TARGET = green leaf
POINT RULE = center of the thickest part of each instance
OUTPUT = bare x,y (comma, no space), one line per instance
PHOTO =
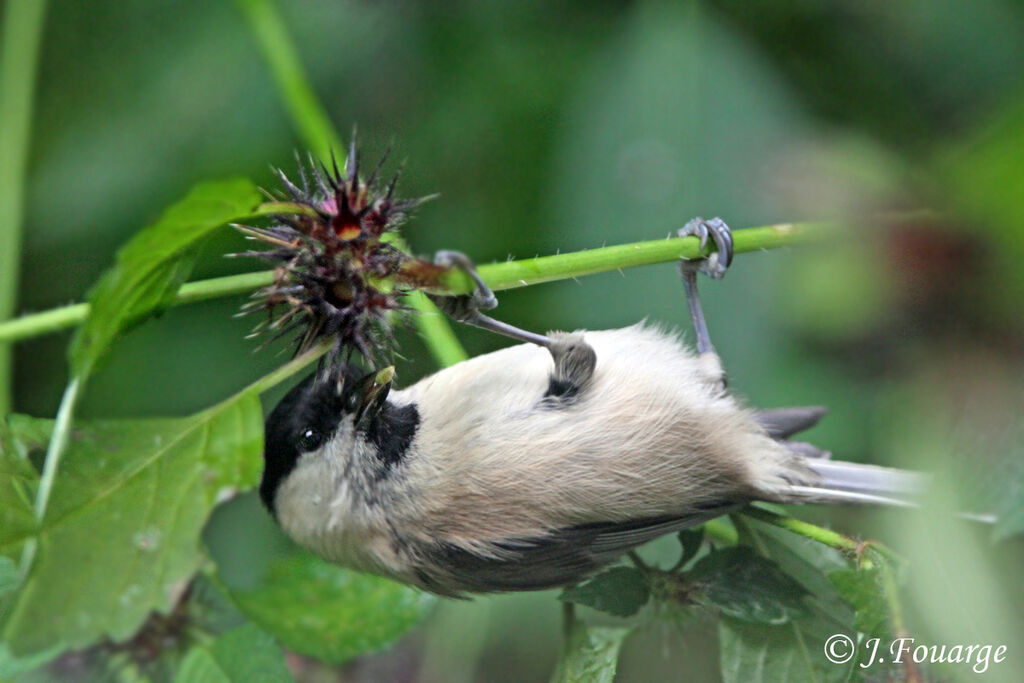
24,435
809,563
8,575
330,613
210,607
121,535
862,590
11,666
591,655
691,540
793,651
746,586
151,267
1010,521
756,653
621,591
242,655
1009,490
18,479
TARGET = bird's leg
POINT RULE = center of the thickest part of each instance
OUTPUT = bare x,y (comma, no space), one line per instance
466,308
575,361
714,266
574,358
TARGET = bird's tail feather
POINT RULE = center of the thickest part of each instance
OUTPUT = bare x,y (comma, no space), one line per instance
848,482
843,482
840,482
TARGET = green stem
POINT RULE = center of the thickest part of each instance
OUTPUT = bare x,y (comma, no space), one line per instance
316,129
58,444
433,325
832,539
721,530
513,274
499,276
271,380
22,34
305,110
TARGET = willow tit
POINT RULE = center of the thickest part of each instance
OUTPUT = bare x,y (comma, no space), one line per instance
532,466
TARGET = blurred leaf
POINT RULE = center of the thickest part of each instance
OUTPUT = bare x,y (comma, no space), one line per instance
211,608
330,613
243,655
153,264
757,653
121,535
11,666
591,655
18,479
8,575
691,540
804,560
798,646
984,175
1010,521
1010,485
747,586
862,590
25,434
621,591
851,295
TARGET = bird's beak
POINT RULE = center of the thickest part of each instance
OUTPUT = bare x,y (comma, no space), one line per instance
375,388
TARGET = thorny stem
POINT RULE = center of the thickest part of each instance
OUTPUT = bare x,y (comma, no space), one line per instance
852,547
513,274
498,276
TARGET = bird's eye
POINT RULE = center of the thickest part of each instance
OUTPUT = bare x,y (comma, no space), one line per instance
310,439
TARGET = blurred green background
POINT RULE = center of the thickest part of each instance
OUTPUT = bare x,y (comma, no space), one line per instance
550,126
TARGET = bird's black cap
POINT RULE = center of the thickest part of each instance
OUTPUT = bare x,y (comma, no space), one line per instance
305,418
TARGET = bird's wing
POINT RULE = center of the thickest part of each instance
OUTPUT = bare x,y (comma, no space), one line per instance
559,558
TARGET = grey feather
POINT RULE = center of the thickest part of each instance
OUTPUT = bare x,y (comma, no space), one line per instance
806,450
782,423
848,482
856,477
556,559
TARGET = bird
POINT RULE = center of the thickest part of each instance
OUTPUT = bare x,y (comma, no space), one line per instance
534,466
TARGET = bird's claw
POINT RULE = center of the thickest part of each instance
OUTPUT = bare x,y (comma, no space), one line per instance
715,264
465,308
482,298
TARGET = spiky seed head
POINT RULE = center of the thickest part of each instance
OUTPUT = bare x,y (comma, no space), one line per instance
333,274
